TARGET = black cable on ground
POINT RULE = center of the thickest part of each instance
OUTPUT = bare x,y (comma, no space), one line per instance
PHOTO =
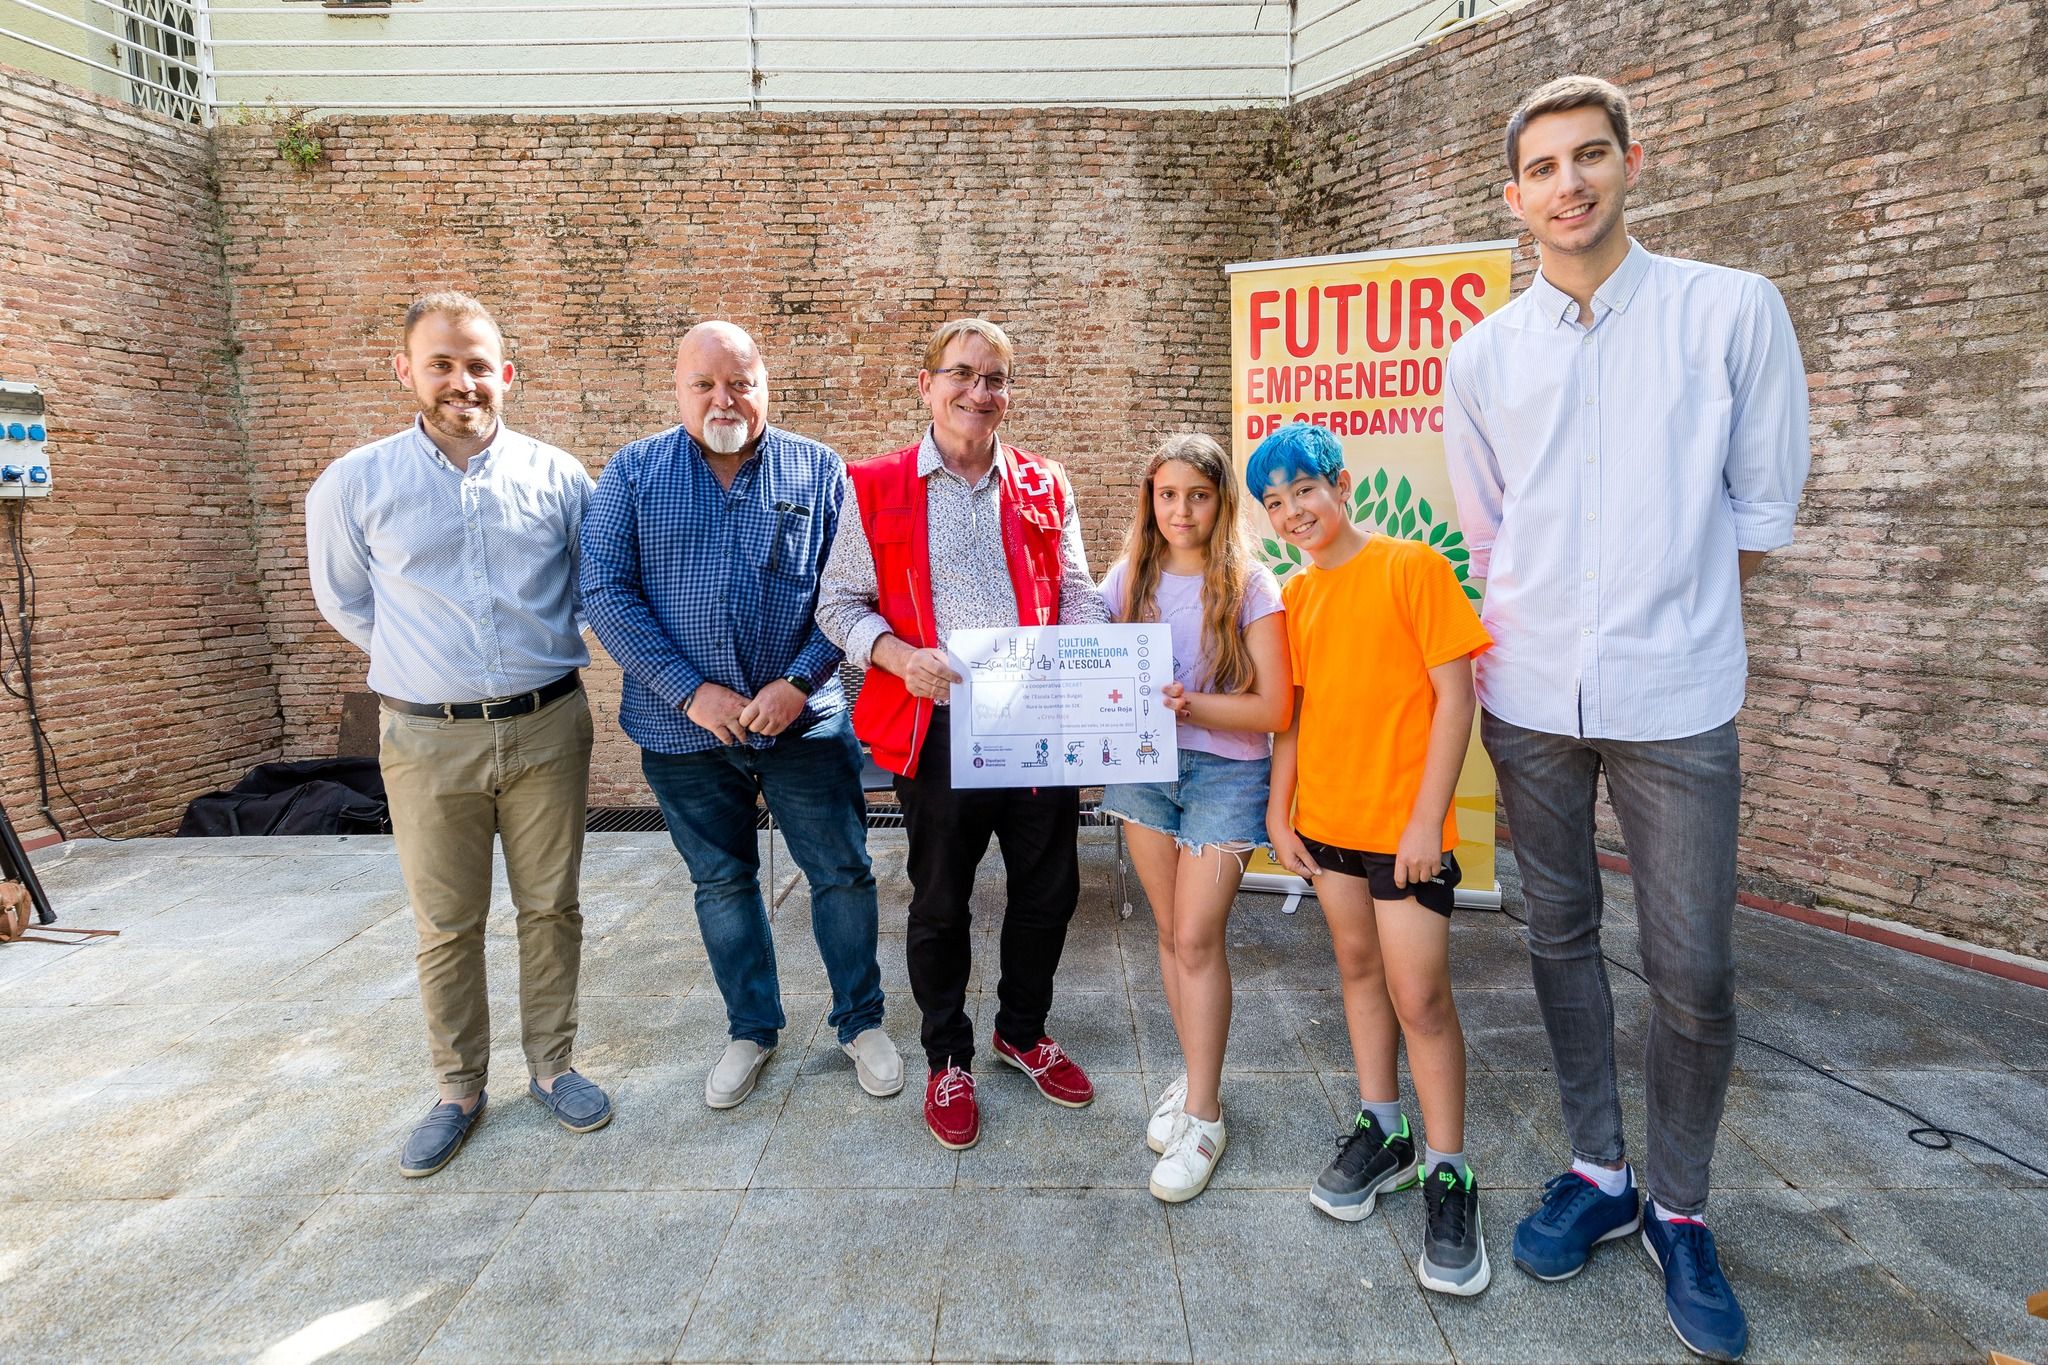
1927,1134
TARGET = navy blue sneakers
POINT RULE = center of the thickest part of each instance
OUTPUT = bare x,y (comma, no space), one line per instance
1698,1301
1555,1242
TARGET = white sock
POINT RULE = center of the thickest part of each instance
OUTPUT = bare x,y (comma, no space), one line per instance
1611,1183
1666,1215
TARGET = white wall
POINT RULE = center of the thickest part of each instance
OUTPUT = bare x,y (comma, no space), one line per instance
420,55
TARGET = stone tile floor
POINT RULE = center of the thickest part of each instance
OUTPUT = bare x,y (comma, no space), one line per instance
202,1117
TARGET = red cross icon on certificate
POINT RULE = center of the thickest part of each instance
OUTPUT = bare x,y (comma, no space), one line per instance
1115,695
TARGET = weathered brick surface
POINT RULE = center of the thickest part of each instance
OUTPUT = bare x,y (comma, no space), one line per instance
841,241
152,663
1882,161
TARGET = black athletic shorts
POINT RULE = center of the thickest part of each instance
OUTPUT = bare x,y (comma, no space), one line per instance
1377,870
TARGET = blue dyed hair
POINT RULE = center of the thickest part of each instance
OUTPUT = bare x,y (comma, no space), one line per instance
1295,450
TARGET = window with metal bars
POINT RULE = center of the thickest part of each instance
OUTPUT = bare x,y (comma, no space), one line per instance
163,58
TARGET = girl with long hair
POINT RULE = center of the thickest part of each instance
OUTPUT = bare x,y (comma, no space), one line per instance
1188,564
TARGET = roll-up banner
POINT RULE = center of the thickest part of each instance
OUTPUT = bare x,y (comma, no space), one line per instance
1357,344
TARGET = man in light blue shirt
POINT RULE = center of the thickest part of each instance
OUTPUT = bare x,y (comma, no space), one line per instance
447,553
1626,439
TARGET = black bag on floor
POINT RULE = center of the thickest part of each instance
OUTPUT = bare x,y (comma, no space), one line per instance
313,796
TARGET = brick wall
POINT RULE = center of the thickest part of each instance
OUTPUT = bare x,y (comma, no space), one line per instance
1879,159
1882,161
1098,239
152,665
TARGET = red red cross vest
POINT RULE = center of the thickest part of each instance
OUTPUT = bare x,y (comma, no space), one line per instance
893,511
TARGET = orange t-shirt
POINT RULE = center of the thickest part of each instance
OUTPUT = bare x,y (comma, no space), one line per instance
1362,638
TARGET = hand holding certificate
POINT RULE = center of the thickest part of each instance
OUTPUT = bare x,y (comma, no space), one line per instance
1062,706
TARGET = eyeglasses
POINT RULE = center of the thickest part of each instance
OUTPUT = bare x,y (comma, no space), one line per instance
966,377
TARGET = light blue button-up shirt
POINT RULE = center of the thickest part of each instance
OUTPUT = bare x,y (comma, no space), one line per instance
460,584
1606,473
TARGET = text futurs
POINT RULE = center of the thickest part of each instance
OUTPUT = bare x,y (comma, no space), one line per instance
1339,369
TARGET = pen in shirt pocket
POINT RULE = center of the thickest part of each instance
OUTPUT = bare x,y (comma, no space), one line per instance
783,509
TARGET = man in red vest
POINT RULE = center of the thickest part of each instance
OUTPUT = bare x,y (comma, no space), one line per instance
956,532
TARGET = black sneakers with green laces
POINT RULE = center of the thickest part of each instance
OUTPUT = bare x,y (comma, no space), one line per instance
1453,1248
1369,1161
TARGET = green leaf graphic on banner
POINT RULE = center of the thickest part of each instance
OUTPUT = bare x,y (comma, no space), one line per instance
1271,547
1471,592
1408,522
1422,510
1453,540
1402,493
1457,556
1436,533
1379,482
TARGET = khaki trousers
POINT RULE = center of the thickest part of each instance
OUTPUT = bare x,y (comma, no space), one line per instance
452,784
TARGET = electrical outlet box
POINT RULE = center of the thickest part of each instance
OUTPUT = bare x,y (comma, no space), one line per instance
24,457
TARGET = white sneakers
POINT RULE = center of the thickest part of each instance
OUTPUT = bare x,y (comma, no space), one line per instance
876,1064
733,1075
1190,1159
1164,1114
1189,1146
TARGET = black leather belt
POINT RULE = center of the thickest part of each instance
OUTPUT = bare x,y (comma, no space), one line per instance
491,708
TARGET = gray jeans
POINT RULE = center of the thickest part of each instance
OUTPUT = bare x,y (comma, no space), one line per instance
1677,802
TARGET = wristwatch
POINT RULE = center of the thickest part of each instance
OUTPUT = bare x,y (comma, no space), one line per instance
799,682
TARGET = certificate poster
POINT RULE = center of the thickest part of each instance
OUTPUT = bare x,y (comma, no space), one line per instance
1357,344
1062,706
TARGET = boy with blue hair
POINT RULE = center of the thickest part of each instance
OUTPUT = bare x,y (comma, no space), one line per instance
1381,639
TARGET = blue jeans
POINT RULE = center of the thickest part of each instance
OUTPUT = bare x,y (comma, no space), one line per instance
1677,802
812,786
1211,800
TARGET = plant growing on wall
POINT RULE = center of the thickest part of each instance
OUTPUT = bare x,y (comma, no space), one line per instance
297,138
1397,512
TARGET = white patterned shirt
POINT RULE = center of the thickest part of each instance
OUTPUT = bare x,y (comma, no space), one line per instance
970,568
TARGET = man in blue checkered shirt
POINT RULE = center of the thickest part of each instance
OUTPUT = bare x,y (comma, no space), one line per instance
702,549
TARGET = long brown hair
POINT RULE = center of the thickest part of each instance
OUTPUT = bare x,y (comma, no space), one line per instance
1229,562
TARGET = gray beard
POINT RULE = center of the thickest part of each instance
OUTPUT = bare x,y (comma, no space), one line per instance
726,438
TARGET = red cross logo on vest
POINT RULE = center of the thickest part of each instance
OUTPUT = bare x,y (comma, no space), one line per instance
1031,478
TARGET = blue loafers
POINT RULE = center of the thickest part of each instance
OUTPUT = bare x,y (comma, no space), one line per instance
576,1103
436,1139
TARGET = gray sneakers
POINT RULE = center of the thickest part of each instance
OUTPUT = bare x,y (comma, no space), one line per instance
1370,1161
1453,1242
733,1075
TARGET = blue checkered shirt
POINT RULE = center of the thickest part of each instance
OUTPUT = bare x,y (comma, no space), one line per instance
685,582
